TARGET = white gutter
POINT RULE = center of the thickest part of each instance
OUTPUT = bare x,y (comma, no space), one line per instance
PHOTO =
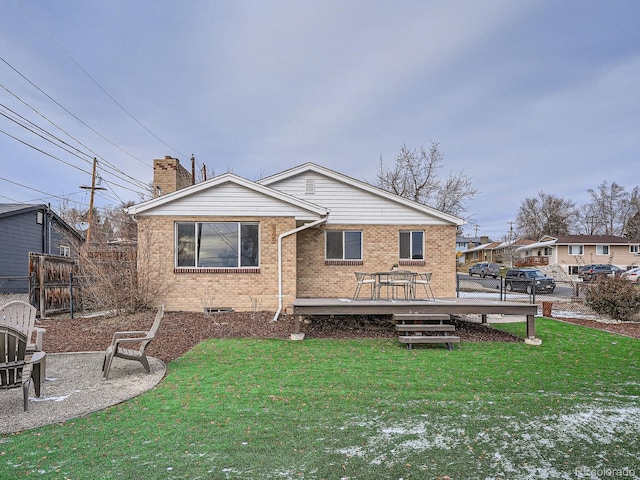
282,235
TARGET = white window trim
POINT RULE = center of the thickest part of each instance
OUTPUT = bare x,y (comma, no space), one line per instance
600,248
581,247
634,249
411,232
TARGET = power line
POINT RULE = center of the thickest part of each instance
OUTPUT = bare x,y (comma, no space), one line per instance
95,81
70,113
133,180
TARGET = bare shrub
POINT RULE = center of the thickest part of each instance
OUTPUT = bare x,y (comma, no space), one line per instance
121,278
614,296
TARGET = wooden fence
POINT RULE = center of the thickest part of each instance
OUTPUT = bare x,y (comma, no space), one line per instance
52,288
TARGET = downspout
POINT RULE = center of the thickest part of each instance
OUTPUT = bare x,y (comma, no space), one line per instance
280,237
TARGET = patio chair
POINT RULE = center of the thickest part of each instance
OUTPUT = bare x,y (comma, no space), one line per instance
423,279
139,339
401,279
22,317
16,365
365,279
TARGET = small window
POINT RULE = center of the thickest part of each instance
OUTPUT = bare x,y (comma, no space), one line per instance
412,245
65,250
634,248
576,250
343,245
602,249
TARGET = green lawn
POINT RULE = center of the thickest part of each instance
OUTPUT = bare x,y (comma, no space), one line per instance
364,409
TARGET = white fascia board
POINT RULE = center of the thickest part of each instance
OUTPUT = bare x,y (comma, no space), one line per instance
212,183
484,246
363,186
535,245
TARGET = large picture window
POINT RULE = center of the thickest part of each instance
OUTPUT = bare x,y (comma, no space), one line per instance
217,244
412,245
343,245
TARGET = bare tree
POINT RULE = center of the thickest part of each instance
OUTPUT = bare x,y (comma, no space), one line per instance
545,215
415,175
610,206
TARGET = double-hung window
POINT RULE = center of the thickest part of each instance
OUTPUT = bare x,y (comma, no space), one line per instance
412,245
602,249
217,244
343,245
576,250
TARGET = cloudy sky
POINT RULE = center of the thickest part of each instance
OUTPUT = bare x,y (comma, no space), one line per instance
522,96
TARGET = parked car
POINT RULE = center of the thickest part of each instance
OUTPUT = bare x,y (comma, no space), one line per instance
528,280
632,275
484,268
591,272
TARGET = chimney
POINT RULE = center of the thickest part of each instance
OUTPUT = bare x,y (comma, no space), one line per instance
169,176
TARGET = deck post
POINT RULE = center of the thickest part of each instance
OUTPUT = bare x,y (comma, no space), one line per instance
531,331
297,335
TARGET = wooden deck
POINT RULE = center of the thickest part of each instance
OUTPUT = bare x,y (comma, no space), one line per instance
453,306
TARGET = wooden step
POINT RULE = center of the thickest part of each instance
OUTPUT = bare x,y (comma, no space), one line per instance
448,340
421,317
425,328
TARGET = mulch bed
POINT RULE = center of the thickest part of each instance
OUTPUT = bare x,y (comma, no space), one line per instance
181,331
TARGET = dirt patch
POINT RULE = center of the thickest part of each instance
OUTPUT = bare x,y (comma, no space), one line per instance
181,331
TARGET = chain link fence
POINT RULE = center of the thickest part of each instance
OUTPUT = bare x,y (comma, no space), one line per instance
566,301
14,288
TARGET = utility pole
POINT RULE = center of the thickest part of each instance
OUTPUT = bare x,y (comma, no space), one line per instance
93,188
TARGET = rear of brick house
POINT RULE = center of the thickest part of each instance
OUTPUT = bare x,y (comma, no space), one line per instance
230,243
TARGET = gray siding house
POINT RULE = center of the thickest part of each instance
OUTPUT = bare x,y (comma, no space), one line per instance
30,228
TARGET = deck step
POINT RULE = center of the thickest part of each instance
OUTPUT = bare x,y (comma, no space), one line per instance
425,328
429,339
448,340
421,317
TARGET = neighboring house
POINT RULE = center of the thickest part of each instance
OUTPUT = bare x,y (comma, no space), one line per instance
30,228
464,243
496,252
572,251
233,243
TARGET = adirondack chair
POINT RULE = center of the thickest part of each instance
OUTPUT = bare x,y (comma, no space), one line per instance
141,339
16,365
22,316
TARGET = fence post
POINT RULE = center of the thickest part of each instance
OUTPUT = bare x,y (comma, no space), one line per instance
533,290
71,294
43,297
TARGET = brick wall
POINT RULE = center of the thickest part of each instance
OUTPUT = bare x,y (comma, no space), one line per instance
169,175
195,291
380,252
304,271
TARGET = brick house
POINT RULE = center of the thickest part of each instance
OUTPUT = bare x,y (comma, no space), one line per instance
231,243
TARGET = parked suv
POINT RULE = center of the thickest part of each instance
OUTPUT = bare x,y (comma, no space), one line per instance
591,272
528,280
484,268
